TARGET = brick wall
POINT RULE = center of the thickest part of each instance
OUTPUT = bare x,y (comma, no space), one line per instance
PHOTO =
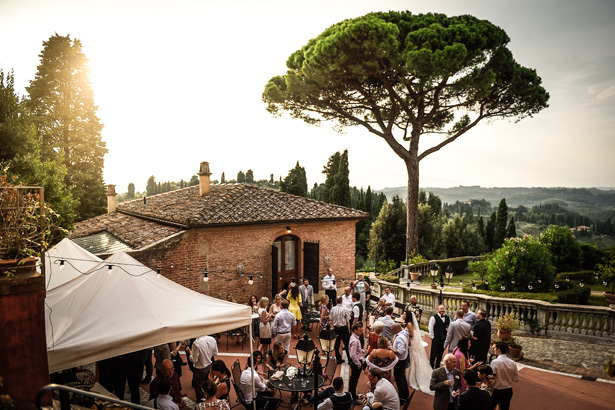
184,258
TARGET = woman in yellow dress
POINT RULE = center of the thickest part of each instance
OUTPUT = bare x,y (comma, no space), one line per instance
294,300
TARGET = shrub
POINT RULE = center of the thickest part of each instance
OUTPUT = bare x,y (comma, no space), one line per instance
588,276
389,278
574,296
522,260
565,249
590,256
507,322
458,265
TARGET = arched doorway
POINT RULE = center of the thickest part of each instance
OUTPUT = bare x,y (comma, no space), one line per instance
284,261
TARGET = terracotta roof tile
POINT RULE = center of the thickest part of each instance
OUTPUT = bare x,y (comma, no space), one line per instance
134,231
233,204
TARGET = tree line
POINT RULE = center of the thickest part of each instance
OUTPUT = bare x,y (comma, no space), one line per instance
51,137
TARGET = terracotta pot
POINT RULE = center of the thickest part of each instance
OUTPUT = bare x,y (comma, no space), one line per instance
504,334
414,275
515,351
434,286
609,297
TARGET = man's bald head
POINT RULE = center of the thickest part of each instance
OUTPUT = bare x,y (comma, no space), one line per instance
396,328
167,367
450,361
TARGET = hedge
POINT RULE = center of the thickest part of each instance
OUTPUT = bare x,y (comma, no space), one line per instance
588,276
574,296
389,278
458,265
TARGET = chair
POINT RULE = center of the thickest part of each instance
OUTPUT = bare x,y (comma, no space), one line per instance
236,371
240,397
239,333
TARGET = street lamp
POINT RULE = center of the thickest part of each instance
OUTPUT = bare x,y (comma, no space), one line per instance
434,273
305,352
327,338
449,274
441,287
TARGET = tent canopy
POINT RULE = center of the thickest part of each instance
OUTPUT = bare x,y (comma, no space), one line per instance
76,259
100,314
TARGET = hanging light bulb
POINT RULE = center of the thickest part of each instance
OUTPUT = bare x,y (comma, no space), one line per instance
605,283
110,269
158,273
502,287
539,280
512,281
460,282
172,265
473,285
486,282
408,284
556,285
567,278
251,280
260,276
205,276
530,287
581,284
61,264
280,277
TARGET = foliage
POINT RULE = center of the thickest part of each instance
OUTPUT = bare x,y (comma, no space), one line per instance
459,238
526,261
457,265
588,276
21,155
490,232
574,296
337,185
241,177
249,176
295,182
590,256
389,278
481,268
507,322
386,238
607,269
415,258
61,101
511,229
565,249
21,235
402,76
500,224
513,343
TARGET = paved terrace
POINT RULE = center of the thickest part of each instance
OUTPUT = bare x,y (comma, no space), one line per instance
554,374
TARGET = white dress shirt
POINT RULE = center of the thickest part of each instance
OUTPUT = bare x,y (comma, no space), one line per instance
245,382
401,344
347,301
384,393
470,318
163,402
327,282
203,349
505,371
432,323
390,299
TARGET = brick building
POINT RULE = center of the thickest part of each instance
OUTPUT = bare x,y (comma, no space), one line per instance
228,229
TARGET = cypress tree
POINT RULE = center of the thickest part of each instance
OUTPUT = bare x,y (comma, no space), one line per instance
490,232
330,170
500,224
511,230
241,177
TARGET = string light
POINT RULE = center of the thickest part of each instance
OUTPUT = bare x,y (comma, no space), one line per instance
110,269
251,280
503,287
158,272
205,276
530,287
460,282
473,285
512,281
62,265
556,285
581,284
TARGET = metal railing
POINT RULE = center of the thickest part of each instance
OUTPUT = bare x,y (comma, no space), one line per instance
64,392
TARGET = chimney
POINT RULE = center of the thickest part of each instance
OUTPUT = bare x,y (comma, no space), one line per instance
204,179
111,198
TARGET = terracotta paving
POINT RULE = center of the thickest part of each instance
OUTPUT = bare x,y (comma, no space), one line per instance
542,383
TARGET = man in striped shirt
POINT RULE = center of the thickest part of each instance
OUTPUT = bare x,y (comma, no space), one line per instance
356,358
282,325
339,317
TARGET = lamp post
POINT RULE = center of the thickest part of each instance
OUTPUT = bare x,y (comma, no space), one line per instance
327,338
305,352
434,273
449,274
441,288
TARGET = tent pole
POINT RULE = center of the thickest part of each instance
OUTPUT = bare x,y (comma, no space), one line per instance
253,369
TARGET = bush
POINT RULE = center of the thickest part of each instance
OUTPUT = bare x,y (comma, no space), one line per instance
590,256
389,278
588,276
522,260
458,265
565,249
574,296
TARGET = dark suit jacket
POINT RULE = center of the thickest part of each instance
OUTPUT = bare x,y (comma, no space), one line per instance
480,347
442,392
474,399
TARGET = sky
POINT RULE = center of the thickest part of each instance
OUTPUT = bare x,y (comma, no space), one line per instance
177,83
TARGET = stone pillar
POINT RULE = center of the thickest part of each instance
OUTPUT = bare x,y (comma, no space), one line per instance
204,184
23,345
111,203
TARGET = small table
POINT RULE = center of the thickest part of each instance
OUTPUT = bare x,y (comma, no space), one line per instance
296,385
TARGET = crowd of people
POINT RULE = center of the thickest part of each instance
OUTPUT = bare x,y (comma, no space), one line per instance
464,370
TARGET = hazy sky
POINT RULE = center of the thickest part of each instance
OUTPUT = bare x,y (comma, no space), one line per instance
180,82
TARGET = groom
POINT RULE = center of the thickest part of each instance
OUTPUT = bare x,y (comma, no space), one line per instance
445,381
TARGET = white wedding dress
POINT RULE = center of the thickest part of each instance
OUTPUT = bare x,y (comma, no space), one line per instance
419,372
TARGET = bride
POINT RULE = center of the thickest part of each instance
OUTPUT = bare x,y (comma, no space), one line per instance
419,372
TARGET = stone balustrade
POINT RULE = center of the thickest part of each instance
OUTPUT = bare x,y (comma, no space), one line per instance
535,316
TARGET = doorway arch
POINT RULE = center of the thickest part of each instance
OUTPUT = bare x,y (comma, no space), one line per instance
284,261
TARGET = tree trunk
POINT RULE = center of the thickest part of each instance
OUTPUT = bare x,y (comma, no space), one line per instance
412,202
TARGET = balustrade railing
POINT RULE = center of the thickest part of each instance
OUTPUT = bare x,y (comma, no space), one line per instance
535,316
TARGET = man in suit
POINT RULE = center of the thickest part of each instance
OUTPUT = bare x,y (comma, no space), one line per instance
457,330
438,326
445,382
307,299
474,398
481,339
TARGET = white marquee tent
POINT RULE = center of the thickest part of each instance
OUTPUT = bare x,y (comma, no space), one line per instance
101,314
76,259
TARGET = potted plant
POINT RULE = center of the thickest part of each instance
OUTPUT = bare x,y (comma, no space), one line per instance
23,232
514,348
506,324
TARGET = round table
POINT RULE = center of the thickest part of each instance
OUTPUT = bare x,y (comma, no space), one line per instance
296,385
